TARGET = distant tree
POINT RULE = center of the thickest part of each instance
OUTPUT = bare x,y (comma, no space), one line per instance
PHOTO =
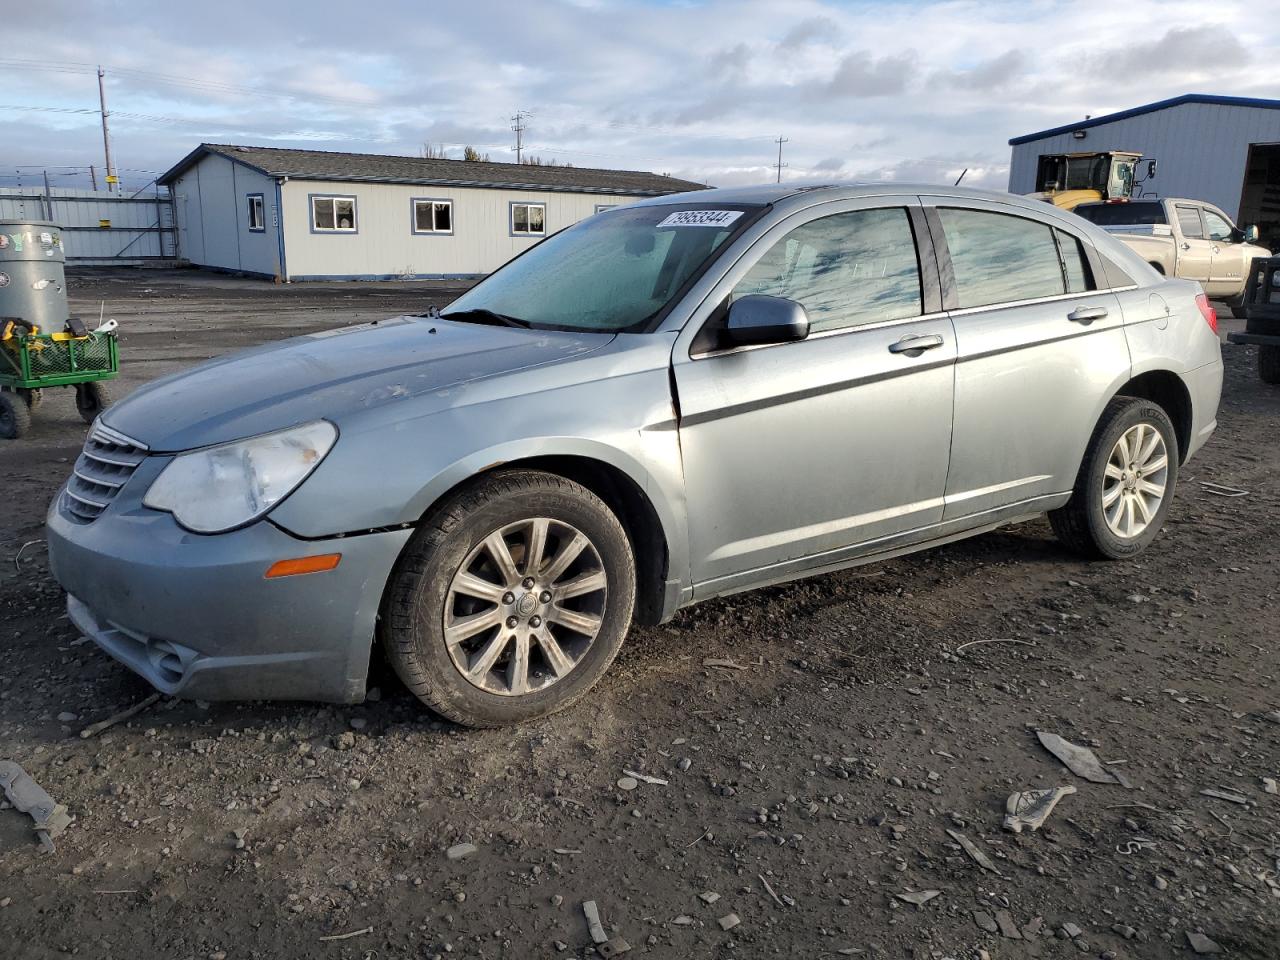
471,153
429,151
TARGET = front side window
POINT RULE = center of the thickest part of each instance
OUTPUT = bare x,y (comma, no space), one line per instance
433,216
846,270
999,258
528,219
257,222
333,214
1217,227
1189,223
616,272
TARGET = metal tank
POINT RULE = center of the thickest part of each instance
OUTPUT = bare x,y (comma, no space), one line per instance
33,285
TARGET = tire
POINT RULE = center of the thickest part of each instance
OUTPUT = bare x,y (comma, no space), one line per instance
1269,364
1083,525
453,542
15,417
91,399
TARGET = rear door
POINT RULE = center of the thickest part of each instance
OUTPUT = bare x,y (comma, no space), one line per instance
1195,252
795,452
1038,347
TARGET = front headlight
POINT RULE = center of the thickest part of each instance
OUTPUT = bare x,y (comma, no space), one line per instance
220,488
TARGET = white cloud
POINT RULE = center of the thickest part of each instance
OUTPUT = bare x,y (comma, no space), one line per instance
916,90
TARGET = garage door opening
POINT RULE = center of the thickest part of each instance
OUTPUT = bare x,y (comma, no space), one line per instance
1260,198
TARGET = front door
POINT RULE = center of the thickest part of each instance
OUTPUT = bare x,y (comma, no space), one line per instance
1195,252
1039,348
1228,267
795,452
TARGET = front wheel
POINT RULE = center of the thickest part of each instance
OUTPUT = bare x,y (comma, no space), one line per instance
15,417
1125,485
512,599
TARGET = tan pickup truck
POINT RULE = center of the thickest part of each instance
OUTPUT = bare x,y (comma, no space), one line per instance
1190,239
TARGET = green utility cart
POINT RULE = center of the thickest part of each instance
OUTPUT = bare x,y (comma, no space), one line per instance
39,346
32,362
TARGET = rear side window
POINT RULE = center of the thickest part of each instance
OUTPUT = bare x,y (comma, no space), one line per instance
997,258
1189,223
1122,214
846,270
1075,265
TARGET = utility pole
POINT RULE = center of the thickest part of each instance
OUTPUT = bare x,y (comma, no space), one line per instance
780,141
93,175
106,134
517,125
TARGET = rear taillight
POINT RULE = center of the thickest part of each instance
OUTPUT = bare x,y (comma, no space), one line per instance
1206,311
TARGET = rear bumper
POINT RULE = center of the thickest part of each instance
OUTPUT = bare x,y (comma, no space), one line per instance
1205,387
195,616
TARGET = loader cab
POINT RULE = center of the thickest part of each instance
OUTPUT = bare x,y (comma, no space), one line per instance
1068,179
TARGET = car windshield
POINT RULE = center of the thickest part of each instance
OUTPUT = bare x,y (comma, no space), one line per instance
616,271
1122,214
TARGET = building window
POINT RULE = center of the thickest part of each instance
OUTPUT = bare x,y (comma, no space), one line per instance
432,216
333,214
257,221
528,219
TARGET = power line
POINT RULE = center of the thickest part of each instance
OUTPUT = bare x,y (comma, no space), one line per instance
518,126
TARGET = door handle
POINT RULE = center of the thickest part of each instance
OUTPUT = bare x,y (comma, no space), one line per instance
1216,249
915,344
1086,315
1185,245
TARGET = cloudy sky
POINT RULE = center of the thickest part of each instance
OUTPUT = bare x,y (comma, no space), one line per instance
906,90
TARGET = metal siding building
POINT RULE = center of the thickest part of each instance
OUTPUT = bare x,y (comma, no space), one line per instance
214,186
1204,146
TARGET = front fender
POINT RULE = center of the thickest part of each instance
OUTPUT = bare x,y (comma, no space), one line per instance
390,473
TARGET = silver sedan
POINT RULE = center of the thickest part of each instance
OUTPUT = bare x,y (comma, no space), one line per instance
667,402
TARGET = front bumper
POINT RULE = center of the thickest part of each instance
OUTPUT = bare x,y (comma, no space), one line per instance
195,616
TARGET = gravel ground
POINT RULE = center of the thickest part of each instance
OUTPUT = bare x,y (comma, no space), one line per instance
825,774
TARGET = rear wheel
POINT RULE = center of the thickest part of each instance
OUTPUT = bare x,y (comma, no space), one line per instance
1269,364
511,601
1125,485
15,416
92,399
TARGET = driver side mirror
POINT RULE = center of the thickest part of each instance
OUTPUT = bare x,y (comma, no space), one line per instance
1251,234
759,319
1151,169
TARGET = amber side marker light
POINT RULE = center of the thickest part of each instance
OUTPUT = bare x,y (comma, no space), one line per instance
301,565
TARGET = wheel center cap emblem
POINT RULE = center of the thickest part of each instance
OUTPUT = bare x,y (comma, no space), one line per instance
526,605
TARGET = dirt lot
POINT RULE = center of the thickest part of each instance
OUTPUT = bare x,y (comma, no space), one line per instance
833,768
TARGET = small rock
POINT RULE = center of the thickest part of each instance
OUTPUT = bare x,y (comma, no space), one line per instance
1270,785
556,900
1124,930
684,764
730,920
358,723
709,897
612,948
1008,929
1202,944
1071,930
344,741
460,850
66,717
919,897
1160,883
986,921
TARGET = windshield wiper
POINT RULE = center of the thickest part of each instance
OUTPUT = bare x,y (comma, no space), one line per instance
480,315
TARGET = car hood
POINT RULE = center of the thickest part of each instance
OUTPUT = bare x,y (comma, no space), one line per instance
335,375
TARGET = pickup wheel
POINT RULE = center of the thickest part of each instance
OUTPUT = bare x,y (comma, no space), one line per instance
1125,485
1269,364
511,600
15,416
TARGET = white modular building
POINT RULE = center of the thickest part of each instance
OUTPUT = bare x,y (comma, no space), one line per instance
318,215
1225,150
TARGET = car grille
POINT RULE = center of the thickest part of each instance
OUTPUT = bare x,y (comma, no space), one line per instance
103,468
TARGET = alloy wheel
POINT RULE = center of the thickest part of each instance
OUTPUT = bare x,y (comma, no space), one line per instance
1135,480
525,606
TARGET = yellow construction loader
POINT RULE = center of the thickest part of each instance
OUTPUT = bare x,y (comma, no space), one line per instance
1068,179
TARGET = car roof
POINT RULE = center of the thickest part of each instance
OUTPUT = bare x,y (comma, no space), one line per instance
805,192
